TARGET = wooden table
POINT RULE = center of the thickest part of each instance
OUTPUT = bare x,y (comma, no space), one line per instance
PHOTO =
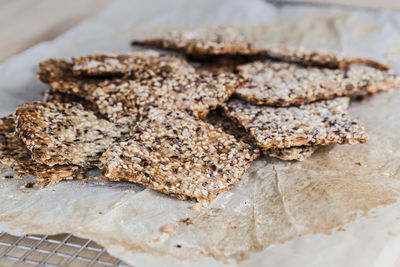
25,23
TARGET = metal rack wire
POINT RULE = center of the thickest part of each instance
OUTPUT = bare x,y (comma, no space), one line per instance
53,251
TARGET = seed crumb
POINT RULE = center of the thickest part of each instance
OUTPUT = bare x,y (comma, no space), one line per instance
186,221
168,228
29,185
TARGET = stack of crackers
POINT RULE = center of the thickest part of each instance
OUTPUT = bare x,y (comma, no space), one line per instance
187,115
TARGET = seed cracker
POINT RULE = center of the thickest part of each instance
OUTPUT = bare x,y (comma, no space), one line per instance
291,153
194,93
58,74
179,155
57,97
216,41
136,64
14,153
229,41
319,123
64,134
308,57
285,84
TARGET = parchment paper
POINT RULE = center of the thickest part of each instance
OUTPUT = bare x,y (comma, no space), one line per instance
338,208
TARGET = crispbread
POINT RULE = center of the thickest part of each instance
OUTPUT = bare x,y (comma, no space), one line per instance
57,97
319,123
64,134
308,57
141,65
229,41
194,93
123,99
15,154
58,74
284,84
299,153
216,41
179,155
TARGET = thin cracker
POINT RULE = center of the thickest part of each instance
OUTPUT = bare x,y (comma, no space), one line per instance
14,153
215,41
141,65
284,84
64,134
194,93
225,124
179,155
223,40
319,123
58,74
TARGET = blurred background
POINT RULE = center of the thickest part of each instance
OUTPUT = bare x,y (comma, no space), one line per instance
25,23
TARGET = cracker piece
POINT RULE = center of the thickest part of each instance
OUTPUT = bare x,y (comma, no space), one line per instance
284,84
179,155
58,74
57,97
308,57
194,93
299,153
229,41
319,123
14,153
136,65
64,134
216,41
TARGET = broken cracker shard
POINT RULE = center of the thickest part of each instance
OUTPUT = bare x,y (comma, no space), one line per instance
14,153
64,134
158,81
298,153
319,123
136,65
223,40
284,84
179,155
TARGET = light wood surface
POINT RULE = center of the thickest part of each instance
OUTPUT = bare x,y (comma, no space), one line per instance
24,23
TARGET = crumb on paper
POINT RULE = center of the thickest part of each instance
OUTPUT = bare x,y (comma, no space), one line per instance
168,228
186,221
29,185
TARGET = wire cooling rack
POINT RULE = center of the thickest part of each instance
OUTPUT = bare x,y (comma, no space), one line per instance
53,251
